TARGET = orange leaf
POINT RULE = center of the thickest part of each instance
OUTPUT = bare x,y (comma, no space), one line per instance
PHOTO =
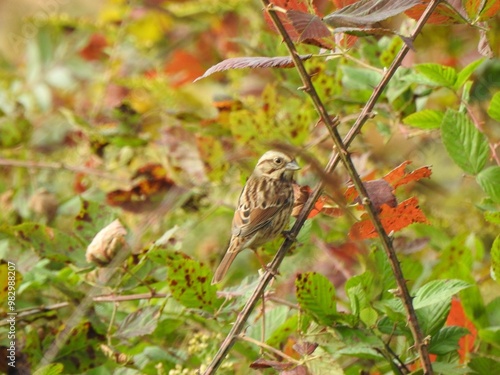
398,176
94,50
443,14
392,219
301,195
397,173
184,67
457,317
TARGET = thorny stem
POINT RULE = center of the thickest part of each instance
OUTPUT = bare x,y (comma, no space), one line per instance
341,154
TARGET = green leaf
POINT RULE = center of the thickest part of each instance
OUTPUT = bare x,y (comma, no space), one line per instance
426,119
446,340
81,351
324,363
492,217
433,317
51,243
140,323
359,343
275,318
489,180
189,282
14,131
316,296
494,107
437,291
466,145
466,72
391,327
358,289
495,260
483,366
291,325
52,369
93,217
491,335
446,368
359,79
438,75
492,311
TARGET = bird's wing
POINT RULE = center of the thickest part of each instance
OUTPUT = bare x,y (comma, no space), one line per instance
255,209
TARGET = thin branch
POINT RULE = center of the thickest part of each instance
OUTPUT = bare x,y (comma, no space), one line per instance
130,297
22,313
263,345
308,206
58,166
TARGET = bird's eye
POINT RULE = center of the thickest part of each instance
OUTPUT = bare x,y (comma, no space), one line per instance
278,160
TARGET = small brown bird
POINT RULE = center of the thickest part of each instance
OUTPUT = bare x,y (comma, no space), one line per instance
264,207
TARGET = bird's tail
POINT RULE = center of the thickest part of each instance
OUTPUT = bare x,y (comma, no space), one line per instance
224,265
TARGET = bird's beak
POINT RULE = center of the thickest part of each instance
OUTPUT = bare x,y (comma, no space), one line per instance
292,166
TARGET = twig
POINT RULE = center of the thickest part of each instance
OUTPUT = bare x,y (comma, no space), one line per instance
263,345
59,166
130,297
21,313
104,298
308,206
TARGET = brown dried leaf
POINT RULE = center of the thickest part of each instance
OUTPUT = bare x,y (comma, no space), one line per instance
379,192
262,363
307,25
305,348
253,63
484,46
107,243
146,193
366,12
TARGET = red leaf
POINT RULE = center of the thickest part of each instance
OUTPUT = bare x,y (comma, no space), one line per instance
300,7
301,195
262,363
183,68
94,50
443,14
457,317
398,176
308,26
253,63
392,219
